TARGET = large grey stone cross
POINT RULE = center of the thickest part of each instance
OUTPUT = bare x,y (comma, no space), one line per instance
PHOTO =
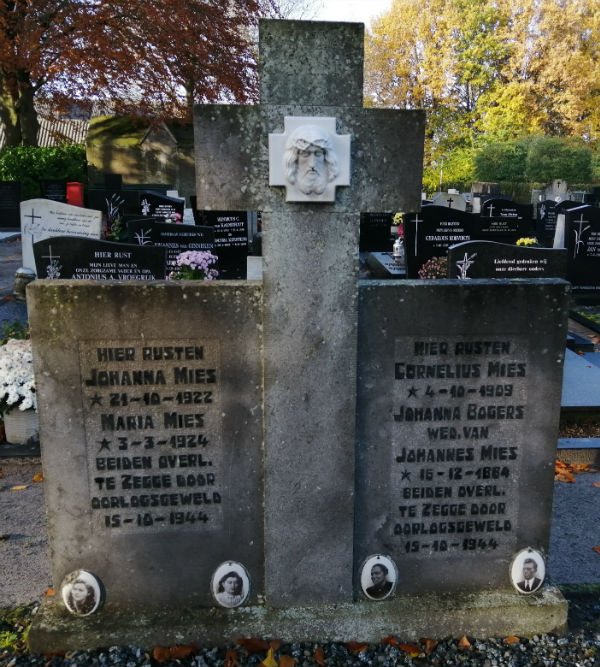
311,76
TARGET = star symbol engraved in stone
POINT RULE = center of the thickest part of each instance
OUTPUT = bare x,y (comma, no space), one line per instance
412,392
406,475
96,399
104,444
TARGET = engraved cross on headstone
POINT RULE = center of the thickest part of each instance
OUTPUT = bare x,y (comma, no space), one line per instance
311,77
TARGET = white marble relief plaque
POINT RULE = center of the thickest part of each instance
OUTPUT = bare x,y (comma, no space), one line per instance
309,159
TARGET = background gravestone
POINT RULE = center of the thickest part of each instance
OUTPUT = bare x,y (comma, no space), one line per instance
10,200
582,240
54,189
156,204
487,259
231,240
376,232
44,218
174,238
432,231
455,466
505,221
79,258
545,226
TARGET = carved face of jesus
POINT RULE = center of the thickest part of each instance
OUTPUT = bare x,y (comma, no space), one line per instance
310,161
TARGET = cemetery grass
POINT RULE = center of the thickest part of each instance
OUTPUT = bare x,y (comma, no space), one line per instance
580,647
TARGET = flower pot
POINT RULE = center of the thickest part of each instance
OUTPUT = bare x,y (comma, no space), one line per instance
21,426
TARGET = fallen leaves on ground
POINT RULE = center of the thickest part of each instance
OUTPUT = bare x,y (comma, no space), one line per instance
565,472
464,643
231,658
597,484
429,645
512,640
49,592
286,661
19,487
356,647
253,645
597,549
319,656
164,653
38,477
414,650
269,661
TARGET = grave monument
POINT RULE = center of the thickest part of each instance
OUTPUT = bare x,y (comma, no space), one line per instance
200,474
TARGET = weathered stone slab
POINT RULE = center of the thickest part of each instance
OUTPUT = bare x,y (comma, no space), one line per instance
152,453
455,460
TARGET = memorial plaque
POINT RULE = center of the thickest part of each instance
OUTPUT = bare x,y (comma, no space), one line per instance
44,218
375,231
152,415
231,241
159,480
174,238
76,258
10,199
487,259
582,240
455,458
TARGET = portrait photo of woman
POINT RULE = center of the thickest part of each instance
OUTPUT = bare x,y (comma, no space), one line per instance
81,592
230,584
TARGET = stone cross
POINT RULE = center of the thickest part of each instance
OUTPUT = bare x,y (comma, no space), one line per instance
311,76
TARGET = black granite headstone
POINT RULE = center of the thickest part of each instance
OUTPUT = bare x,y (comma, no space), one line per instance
76,258
155,204
582,240
488,259
114,203
173,237
505,221
546,222
10,200
375,232
231,241
432,231
54,189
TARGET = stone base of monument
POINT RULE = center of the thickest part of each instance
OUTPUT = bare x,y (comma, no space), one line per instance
481,615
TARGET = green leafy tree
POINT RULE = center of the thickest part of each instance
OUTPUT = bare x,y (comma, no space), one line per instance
549,158
503,161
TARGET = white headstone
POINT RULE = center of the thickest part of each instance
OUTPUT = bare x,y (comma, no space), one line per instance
44,218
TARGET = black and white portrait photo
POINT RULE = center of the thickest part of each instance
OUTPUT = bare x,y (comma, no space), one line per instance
82,593
528,571
378,577
230,584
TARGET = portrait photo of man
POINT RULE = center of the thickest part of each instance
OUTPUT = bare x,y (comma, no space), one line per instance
528,571
529,582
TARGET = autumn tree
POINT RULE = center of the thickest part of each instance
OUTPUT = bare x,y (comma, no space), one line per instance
488,71
153,57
